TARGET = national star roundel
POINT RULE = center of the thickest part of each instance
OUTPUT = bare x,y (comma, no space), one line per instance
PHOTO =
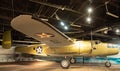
39,50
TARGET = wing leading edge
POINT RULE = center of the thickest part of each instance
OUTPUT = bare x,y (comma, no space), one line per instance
40,30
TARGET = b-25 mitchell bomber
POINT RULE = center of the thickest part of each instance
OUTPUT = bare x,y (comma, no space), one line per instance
55,43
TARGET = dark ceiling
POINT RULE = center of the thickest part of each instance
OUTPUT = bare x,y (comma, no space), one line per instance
72,12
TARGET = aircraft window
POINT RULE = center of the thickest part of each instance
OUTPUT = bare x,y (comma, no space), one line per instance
94,48
97,42
33,48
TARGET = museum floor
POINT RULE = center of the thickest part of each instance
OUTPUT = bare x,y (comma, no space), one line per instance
53,66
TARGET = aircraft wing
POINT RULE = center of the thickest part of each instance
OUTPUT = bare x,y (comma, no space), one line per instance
40,30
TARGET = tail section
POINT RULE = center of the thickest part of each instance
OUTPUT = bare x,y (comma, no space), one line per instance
6,43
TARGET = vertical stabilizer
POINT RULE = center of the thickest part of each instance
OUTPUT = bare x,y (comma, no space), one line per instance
6,43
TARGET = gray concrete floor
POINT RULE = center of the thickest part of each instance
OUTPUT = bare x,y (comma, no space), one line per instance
53,66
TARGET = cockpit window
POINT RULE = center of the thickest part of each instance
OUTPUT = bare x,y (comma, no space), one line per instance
113,46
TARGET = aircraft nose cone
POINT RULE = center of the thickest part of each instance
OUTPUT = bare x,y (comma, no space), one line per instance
113,51
116,51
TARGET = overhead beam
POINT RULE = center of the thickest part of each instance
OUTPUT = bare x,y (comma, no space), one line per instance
6,17
72,32
19,11
55,6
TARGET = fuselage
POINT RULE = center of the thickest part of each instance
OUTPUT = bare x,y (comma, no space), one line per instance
78,48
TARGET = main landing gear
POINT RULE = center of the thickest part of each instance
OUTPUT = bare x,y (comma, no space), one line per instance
65,63
107,63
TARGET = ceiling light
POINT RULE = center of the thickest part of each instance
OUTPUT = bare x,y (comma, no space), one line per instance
88,19
117,31
63,8
66,28
62,23
105,32
90,10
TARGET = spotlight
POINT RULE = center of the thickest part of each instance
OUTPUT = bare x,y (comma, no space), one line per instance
117,30
62,24
88,19
65,27
90,10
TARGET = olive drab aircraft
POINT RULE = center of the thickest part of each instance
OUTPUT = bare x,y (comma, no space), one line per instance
55,43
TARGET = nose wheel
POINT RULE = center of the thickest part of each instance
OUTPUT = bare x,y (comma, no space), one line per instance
72,60
107,64
65,64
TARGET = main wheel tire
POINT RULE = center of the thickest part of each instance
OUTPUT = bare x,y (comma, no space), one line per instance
72,60
65,64
107,64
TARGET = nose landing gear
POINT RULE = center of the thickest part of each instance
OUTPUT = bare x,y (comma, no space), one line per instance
72,60
107,64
